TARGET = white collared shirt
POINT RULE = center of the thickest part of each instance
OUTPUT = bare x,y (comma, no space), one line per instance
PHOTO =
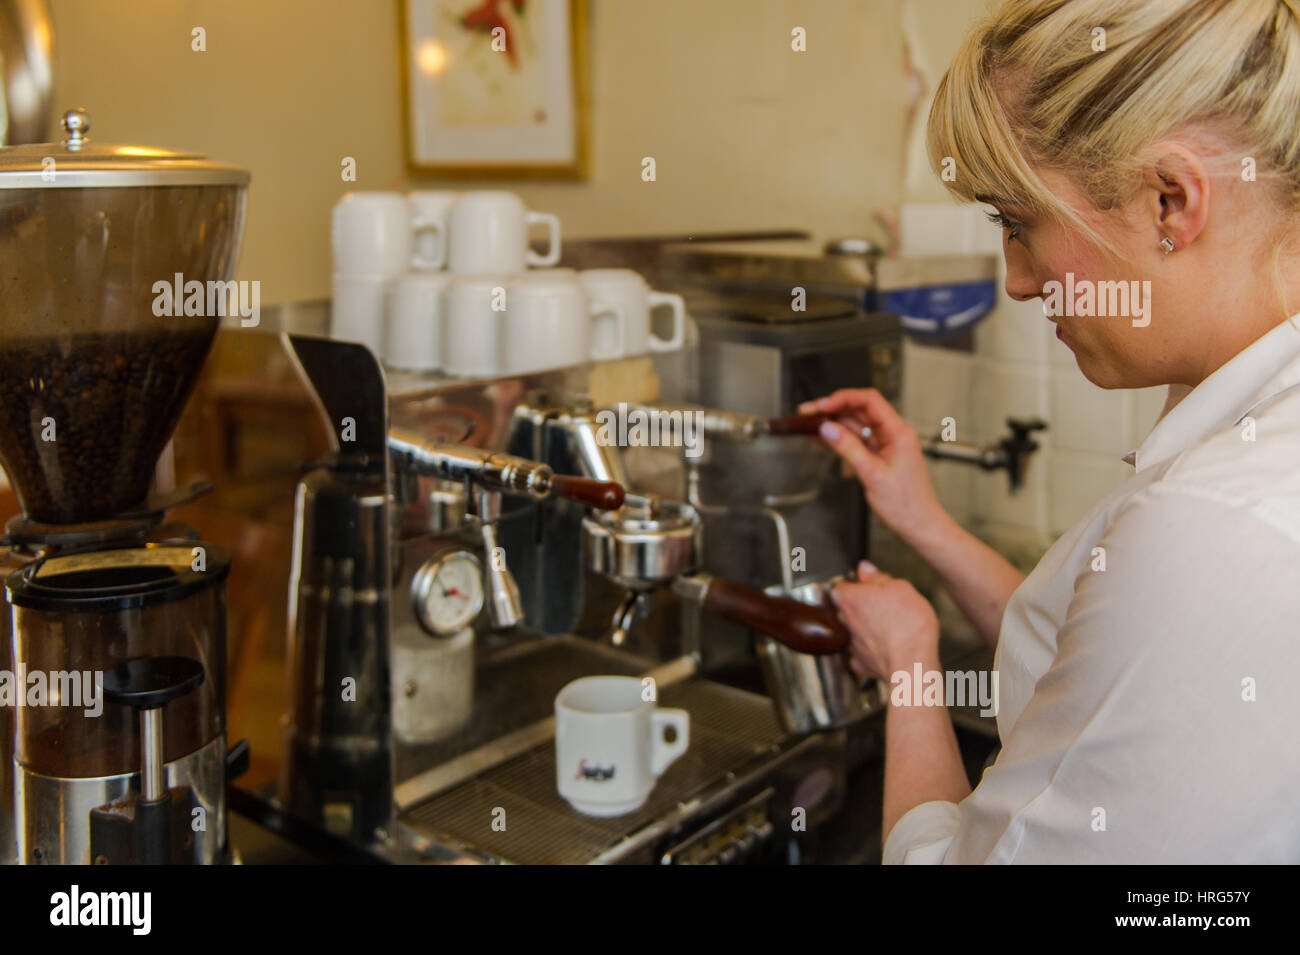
1147,712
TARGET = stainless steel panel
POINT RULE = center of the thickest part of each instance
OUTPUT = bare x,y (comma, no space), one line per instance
53,813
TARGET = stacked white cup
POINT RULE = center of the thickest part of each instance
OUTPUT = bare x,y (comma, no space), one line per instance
498,308
373,236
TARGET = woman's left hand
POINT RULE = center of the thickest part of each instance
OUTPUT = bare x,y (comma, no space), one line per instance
892,625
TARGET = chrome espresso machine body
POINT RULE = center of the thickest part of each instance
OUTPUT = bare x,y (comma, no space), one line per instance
420,718
112,724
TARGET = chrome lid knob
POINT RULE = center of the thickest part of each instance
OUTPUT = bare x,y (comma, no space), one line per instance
76,122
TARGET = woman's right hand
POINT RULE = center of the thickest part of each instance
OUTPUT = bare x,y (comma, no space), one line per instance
889,464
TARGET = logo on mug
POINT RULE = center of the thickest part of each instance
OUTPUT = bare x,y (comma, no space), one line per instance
598,773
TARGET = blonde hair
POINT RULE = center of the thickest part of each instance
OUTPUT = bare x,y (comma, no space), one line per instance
1027,89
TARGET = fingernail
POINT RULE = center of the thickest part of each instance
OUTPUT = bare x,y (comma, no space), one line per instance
829,430
866,567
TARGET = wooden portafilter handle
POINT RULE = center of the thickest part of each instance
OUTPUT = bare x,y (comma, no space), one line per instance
806,424
797,424
602,495
800,626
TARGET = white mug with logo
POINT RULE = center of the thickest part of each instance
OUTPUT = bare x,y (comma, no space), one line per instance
629,290
610,744
549,323
473,309
487,232
414,330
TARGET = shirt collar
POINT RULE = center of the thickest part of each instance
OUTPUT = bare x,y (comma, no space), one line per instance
1263,369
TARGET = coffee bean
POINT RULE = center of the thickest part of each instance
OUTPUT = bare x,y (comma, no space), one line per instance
114,400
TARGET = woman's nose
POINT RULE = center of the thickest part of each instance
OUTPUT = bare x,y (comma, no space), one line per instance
1021,284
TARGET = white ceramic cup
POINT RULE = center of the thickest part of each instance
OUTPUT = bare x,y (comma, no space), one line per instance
628,290
430,211
414,328
357,310
371,235
487,233
549,323
473,309
610,744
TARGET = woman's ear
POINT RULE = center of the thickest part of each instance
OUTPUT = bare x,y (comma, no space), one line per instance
1178,190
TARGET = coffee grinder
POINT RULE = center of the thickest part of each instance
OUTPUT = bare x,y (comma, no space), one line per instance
116,268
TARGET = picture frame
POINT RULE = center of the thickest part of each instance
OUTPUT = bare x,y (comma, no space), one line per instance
495,89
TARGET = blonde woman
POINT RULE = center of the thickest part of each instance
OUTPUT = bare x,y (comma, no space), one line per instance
1149,710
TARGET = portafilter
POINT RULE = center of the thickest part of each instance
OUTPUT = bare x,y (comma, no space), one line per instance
650,543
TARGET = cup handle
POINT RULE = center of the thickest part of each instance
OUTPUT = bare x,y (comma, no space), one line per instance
679,321
663,754
439,259
552,223
620,324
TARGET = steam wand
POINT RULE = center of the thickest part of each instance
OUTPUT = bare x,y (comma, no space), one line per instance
489,474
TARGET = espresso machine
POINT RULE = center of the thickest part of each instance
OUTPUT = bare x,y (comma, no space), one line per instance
421,670
113,738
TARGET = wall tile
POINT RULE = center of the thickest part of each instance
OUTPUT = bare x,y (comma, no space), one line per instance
937,228
993,500
1020,545
953,483
1087,418
1059,355
936,384
1000,390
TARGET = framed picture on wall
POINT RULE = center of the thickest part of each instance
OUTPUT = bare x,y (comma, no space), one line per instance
495,88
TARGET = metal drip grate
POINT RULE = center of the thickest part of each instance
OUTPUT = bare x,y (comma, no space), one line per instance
729,727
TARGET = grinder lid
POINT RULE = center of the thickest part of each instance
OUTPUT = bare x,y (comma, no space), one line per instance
79,163
122,578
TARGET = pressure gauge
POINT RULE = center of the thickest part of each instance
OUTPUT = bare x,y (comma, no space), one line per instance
448,592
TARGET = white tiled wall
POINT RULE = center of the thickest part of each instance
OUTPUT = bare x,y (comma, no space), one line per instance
1018,368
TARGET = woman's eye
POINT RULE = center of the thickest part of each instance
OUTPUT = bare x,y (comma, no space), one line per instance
1005,223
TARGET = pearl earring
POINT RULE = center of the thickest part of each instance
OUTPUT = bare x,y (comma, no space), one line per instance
1167,244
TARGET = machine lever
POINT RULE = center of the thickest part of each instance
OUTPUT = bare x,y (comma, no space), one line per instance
602,495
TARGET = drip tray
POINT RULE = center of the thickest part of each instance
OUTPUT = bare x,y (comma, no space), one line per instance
515,687
730,729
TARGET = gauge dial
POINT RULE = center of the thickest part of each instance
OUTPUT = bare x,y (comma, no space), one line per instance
448,592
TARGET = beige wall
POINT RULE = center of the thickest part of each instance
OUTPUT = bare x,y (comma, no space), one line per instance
745,133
